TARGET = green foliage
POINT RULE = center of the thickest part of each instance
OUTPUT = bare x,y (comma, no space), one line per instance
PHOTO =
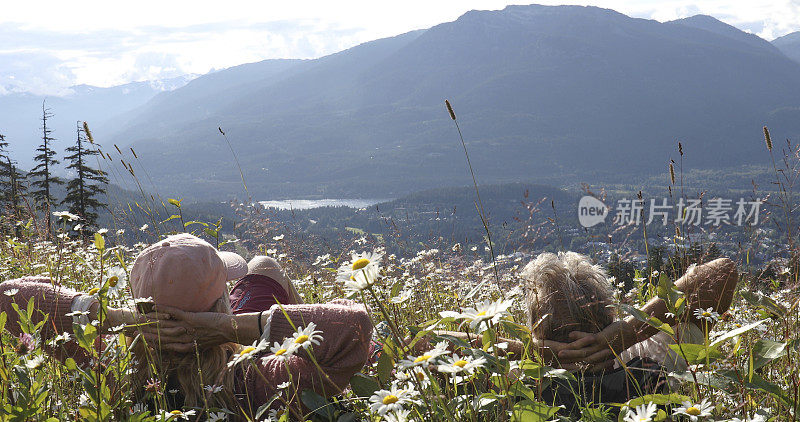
83,191
12,184
41,176
735,365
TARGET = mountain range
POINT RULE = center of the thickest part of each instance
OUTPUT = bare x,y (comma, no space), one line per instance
789,44
543,94
21,112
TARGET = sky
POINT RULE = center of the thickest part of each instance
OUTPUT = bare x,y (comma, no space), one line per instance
48,46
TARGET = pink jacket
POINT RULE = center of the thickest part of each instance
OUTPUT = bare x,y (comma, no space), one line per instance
346,329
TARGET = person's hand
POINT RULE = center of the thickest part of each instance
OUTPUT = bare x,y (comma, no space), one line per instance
182,331
596,351
550,351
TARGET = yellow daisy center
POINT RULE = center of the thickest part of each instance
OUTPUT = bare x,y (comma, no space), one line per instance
693,411
302,339
247,350
461,363
422,358
280,352
176,412
94,290
113,281
482,313
360,263
390,399
706,314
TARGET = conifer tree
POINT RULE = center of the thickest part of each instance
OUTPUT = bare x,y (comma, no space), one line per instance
12,182
42,177
82,191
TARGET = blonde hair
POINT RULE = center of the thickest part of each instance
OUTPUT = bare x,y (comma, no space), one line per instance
565,293
192,371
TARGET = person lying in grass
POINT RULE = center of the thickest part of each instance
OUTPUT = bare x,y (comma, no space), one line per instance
569,312
573,322
568,304
570,309
315,347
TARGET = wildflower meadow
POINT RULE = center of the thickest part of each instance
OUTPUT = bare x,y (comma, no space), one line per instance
745,369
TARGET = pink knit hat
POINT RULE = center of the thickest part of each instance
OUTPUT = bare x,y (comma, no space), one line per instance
185,272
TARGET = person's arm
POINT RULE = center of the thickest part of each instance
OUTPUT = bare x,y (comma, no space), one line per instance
346,330
177,331
49,299
56,302
710,285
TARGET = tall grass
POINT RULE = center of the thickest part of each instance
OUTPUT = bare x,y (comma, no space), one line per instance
746,365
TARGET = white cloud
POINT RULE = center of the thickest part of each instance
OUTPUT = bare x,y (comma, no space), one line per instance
34,71
100,44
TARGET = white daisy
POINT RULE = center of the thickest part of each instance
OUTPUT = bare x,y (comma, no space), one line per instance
117,329
642,413
707,314
62,338
360,272
117,281
274,415
34,362
322,260
248,352
400,415
213,389
283,350
179,414
486,311
355,285
694,411
84,400
425,358
457,365
65,215
754,418
404,296
392,400
407,377
217,417
305,337
11,292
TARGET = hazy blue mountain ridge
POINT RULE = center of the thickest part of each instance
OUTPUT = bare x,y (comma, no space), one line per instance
544,94
789,44
21,113
201,97
711,24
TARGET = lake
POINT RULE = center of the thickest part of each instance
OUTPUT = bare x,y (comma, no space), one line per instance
305,204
